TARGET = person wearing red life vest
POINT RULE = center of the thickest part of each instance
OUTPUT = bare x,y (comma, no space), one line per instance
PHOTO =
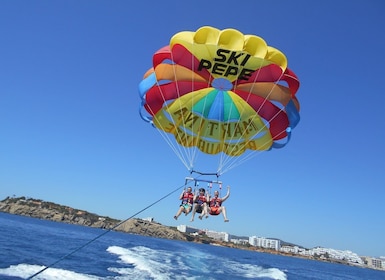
215,204
200,204
187,198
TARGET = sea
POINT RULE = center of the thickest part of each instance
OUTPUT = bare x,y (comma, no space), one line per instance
32,248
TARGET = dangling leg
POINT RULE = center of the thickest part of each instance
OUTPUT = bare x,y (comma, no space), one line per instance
224,213
204,211
193,212
178,213
207,210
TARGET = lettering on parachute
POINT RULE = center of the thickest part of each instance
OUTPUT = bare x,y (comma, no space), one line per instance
212,137
228,63
214,129
209,147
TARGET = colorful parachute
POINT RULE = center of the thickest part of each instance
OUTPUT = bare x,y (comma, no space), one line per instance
221,92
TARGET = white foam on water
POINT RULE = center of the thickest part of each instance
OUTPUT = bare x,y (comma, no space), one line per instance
27,270
145,262
254,271
141,263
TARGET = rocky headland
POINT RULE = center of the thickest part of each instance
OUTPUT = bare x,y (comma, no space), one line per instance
40,209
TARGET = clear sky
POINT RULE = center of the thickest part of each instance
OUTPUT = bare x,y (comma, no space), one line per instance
70,130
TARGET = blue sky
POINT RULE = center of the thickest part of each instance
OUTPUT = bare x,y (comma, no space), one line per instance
71,131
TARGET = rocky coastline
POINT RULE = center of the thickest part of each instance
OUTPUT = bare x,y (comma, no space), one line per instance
40,209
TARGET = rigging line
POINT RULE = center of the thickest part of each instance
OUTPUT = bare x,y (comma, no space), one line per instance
229,159
232,163
178,96
177,149
104,233
168,139
194,150
186,151
225,159
246,158
235,164
201,121
191,151
174,147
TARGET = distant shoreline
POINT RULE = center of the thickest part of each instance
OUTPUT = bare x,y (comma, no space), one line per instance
40,209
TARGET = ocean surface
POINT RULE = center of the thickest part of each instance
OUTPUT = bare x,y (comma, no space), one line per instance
27,245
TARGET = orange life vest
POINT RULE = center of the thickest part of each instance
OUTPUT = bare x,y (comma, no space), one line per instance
215,202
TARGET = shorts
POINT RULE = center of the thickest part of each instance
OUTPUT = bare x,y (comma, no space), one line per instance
186,205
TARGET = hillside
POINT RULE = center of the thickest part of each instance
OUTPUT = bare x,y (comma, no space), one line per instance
40,209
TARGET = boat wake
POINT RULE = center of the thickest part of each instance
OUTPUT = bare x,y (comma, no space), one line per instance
140,262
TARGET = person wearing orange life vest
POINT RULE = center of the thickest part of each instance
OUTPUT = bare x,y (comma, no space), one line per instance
200,204
186,204
215,204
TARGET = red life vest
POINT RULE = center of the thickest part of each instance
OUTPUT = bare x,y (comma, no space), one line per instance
187,198
201,199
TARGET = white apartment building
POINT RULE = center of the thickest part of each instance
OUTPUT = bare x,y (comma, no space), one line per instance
239,241
186,229
346,255
377,263
222,236
265,242
290,249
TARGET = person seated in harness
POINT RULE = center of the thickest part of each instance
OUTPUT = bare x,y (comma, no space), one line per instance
215,204
200,204
186,204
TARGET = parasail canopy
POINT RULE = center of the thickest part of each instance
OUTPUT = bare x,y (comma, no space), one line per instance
220,92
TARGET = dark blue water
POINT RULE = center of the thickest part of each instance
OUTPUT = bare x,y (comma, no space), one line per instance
27,245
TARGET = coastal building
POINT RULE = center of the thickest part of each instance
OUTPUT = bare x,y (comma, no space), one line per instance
335,254
263,242
239,241
290,249
296,250
376,263
186,229
222,236
275,244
